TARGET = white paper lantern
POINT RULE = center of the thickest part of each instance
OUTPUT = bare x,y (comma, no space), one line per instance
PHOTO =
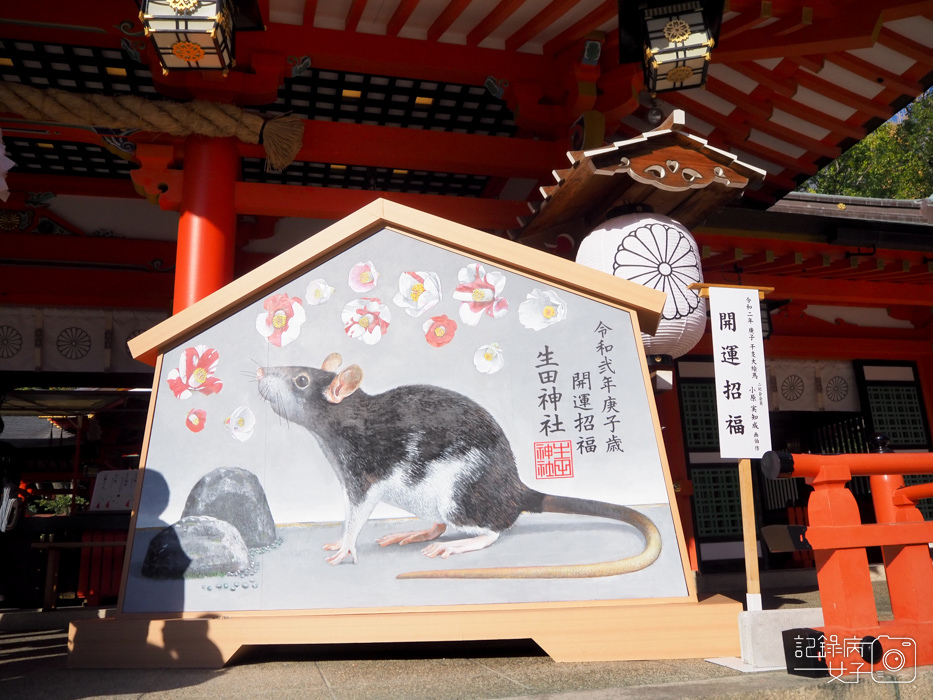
655,251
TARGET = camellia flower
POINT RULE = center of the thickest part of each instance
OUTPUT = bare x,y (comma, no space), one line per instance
418,292
195,373
541,309
439,330
282,320
363,277
241,423
367,319
319,292
480,294
489,359
196,420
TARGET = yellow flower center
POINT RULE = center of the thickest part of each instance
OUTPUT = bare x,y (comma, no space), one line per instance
318,293
279,319
488,355
240,423
366,277
440,331
417,290
478,295
364,321
549,312
199,376
194,419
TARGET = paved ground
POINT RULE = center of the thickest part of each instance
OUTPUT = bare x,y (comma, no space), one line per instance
33,650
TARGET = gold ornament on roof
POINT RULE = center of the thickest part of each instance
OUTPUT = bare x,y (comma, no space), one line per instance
184,7
679,74
187,51
676,31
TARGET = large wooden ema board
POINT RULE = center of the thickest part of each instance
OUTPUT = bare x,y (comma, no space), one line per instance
399,373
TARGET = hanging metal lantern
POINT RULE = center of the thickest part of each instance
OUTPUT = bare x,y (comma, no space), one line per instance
190,34
655,251
677,47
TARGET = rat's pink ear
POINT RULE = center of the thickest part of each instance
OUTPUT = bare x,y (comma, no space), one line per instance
344,384
331,362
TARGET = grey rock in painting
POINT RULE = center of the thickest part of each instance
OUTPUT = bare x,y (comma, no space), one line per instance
196,546
235,496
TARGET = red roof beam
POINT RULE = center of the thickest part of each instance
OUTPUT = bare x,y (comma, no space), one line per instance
856,65
745,21
400,16
795,164
743,101
353,15
837,126
781,86
492,21
796,138
580,29
789,25
906,47
447,17
553,11
834,92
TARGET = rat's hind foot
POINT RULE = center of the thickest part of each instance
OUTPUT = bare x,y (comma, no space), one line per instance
432,533
471,544
340,556
334,546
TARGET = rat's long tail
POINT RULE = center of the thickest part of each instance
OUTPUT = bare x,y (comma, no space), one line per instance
573,506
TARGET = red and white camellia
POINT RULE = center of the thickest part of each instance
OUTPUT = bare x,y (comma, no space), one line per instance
366,319
439,330
363,277
196,420
195,373
418,292
541,309
489,359
281,322
480,294
319,292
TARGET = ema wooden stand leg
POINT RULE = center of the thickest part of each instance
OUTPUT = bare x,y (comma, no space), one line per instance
749,535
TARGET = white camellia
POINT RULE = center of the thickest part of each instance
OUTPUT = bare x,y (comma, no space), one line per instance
241,423
541,309
319,292
418,292
489,358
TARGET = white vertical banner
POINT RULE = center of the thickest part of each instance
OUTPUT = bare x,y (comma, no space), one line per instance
741,379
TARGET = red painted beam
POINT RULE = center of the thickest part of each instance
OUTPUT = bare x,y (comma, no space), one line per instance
400,16
330,203
832,291
409,58
55,286
65,184
418,149
89,250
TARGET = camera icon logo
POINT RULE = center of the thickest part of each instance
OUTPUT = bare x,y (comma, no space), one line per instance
897,655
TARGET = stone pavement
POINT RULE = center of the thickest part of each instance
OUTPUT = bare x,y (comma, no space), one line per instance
33,647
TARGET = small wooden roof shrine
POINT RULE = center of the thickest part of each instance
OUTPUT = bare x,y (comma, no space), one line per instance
664,170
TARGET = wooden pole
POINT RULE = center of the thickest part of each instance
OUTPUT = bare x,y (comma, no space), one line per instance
749,535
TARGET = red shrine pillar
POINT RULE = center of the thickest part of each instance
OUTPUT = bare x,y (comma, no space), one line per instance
207,228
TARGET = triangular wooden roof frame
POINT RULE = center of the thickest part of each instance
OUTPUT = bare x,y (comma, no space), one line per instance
645,302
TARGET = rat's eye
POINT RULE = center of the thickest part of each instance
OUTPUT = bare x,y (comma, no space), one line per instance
302,381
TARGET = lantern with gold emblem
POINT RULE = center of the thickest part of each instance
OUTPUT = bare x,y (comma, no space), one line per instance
190,34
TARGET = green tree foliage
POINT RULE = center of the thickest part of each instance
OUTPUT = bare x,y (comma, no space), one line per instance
893,162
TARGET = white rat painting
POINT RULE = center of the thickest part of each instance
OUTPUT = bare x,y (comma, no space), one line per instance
426,429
